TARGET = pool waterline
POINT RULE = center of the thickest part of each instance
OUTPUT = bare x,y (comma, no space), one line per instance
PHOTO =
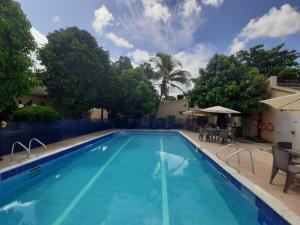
164,186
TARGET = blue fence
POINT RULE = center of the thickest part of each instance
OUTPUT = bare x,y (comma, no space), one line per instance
47,132
159,123
63,129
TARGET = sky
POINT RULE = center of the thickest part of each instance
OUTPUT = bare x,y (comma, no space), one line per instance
191,30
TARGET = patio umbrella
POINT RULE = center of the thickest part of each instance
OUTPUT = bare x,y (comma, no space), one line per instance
194,113
285,103
219,109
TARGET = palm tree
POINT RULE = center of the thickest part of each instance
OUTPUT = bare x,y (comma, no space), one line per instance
168,72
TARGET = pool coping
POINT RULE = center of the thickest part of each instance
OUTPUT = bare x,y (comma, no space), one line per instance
61,149
276,205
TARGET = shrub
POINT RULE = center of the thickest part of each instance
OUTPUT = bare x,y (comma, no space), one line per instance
36,113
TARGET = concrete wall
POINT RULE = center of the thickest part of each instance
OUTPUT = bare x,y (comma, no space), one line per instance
95,113
287,124
173,108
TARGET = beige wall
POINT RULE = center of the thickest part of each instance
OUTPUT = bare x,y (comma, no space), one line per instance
95,113
37,100
173,108
287,124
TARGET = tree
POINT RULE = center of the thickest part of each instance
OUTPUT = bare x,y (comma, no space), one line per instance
76,71
272,62
168,73
124,63
134,95
148,71
227,82
16,44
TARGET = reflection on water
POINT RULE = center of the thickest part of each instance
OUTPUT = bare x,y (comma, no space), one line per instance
175,164
101,148
26,209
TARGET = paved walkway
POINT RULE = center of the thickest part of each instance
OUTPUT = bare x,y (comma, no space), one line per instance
263,160
261,154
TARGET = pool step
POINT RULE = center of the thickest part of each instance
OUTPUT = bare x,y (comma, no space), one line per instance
34,172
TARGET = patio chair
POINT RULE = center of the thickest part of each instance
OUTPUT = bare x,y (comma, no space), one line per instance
203,133
281,161
223,136
289,145
232,135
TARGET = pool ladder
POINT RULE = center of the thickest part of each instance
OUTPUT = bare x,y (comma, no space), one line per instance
28,150
237,152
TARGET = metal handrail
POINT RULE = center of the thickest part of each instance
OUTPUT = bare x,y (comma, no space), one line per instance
23,146
237,153
38,141
225,147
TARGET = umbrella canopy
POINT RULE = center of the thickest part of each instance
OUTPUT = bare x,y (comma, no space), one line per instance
219,109
287,103
193,113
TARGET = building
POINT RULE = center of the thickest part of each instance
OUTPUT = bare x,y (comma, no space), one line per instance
39,96
274,125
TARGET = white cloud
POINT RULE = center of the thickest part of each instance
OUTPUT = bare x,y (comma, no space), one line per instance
156,10
56,19
237,46
139,56
195,59
174,35
102,19
121,42
190,7
39,38
215,3
276,23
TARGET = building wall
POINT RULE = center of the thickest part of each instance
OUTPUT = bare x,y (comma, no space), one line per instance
95,113
173,108
287,124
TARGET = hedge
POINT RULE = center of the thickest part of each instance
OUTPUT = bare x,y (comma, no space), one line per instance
36,114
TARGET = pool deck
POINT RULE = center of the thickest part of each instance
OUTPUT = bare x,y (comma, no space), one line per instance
261,154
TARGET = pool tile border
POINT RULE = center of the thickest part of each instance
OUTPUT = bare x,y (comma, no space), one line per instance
19,168
271,210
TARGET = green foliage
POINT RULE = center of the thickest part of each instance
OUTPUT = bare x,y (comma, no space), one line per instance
229,83
77,70
16,44
124,63
133,94
169,73
36,113
273,62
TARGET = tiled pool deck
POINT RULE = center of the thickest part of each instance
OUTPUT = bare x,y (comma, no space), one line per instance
261,154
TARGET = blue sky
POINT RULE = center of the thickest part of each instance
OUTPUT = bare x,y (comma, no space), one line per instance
191,30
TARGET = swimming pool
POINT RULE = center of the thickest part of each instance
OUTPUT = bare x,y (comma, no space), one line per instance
129,178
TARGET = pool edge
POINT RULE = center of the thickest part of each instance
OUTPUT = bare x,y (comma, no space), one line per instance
275,204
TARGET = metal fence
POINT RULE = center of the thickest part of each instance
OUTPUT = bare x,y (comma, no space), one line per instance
63,129
47,132
289,83
159,123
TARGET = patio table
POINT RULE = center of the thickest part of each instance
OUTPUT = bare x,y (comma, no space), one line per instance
214,132
294,152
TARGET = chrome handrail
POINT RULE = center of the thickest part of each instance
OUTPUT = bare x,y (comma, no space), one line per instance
225,147
237,153
38,141
13,148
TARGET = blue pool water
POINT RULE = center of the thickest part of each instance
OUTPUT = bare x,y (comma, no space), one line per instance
132,178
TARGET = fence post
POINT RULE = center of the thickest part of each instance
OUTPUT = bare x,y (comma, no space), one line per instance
1,143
